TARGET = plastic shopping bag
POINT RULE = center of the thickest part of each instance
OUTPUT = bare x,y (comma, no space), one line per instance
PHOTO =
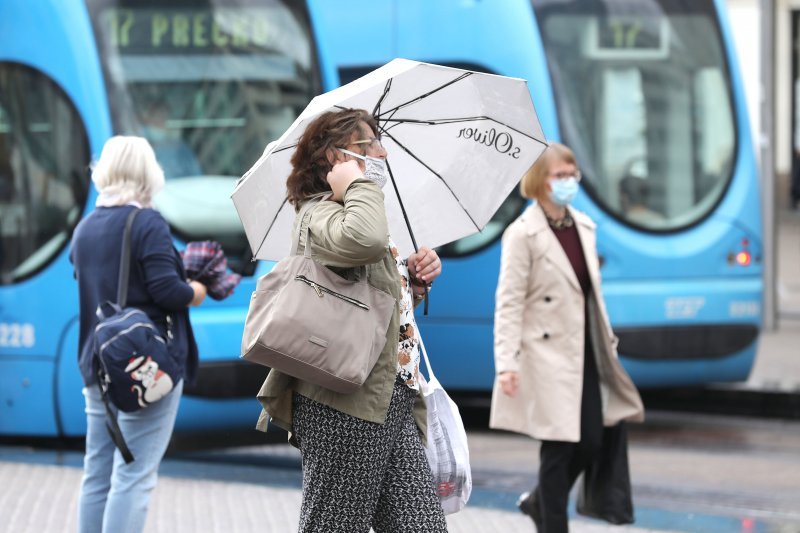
447,450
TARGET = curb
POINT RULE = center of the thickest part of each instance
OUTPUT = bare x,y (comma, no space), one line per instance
726,401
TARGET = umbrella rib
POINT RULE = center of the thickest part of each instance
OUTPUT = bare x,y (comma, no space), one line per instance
284,148
376,110
278,212
425,95
421,162
386,89
238,181
402,207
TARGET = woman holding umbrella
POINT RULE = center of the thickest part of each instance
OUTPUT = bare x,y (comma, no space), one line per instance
558,376
364,464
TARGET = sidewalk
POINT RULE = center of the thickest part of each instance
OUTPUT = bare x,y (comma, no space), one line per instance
43,498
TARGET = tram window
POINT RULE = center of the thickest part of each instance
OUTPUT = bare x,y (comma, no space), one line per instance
644,99
44,157
209,85
508,212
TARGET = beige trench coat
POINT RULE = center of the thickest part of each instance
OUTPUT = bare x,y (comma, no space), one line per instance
539,333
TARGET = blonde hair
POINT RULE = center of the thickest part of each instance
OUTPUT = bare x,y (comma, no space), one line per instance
127,171
534,183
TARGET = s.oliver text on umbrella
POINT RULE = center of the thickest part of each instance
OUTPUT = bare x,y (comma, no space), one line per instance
503,142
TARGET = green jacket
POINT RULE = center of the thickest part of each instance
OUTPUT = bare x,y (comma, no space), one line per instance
347,235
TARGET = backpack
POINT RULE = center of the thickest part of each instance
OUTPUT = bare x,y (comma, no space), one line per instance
131,359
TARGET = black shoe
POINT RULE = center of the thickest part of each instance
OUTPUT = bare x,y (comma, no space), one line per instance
529,504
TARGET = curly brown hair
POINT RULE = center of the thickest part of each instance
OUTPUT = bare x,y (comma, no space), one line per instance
310,165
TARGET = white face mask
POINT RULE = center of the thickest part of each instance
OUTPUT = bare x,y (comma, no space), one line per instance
375,168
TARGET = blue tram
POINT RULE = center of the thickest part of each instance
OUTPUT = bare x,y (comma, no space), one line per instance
647,94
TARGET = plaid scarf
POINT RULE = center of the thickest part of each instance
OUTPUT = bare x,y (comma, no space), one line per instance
205,262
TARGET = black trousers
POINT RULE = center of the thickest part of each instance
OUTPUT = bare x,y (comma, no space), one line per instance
562,462
795,185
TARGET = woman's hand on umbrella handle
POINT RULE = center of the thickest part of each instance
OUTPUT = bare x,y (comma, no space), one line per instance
424,265
199,292
341,176
509,383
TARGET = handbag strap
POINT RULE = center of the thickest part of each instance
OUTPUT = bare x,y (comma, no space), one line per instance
313,202
361,271
125,260
432,377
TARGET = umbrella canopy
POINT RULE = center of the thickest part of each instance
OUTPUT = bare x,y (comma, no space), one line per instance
457,141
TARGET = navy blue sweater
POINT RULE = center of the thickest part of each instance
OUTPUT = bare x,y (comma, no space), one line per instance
156,282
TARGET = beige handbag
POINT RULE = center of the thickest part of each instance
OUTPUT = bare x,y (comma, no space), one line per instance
310,323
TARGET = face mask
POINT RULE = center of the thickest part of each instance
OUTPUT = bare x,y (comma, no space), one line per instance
374,168
563,190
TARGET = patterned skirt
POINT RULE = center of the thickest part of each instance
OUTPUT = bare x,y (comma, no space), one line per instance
359,474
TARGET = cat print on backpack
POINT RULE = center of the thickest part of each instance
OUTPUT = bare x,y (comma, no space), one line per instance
155,383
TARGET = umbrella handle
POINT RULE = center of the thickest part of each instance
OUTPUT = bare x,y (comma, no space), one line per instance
426,286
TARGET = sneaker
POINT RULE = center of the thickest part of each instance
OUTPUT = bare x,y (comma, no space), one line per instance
528,504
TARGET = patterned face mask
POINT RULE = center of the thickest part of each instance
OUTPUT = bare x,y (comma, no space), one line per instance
375,168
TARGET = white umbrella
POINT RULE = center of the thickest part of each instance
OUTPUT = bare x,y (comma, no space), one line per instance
458,143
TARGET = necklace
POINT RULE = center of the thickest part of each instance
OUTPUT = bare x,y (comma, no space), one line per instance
564,222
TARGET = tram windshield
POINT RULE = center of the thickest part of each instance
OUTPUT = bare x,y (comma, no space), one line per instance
209,84
644,99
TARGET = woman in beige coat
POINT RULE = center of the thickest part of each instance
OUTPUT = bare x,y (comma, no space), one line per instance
558,376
